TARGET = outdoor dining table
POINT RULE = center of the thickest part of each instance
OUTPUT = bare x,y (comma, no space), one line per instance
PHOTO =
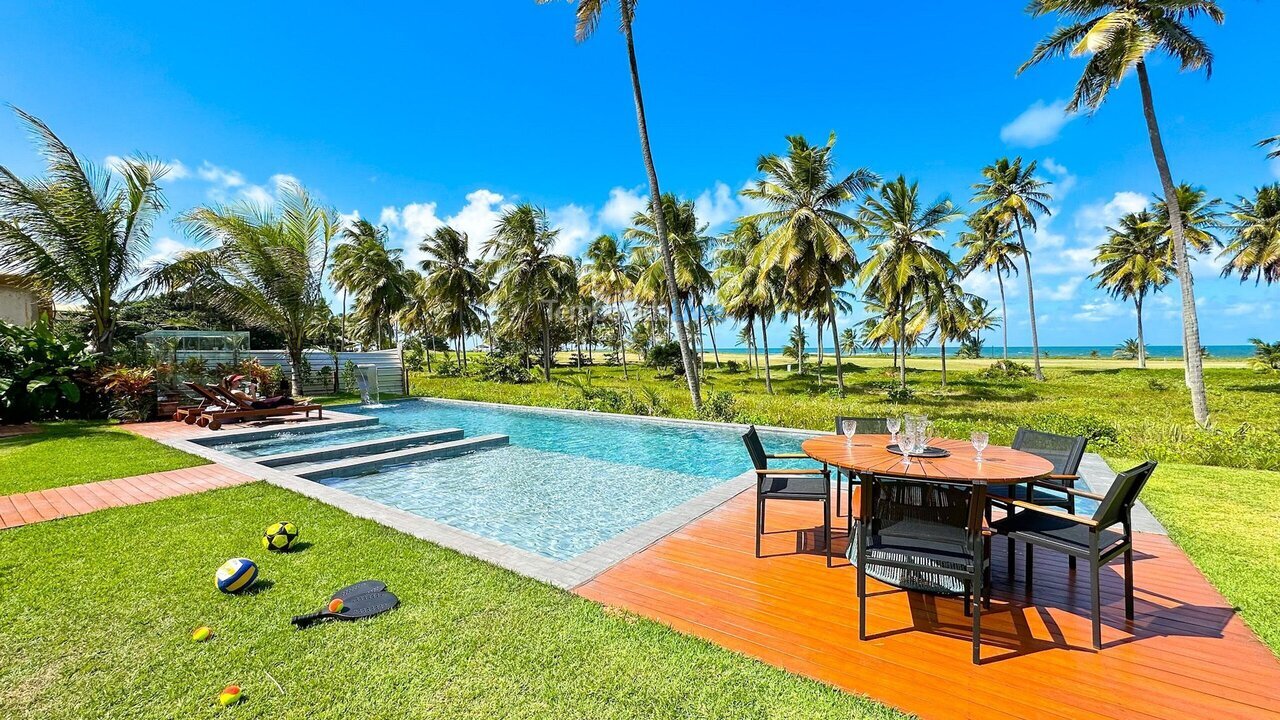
868,455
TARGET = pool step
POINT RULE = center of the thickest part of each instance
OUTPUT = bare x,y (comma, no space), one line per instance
372,463
360,448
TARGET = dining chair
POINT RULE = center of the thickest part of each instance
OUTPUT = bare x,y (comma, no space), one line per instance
809,484
1090,538
866,426
1065,452
925,536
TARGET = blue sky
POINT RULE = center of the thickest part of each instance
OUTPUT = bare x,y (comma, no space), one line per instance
444,112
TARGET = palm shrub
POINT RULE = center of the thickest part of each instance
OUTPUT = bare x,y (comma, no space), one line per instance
131,391
41,375
1266,356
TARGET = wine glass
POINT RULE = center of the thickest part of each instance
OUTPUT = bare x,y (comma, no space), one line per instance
907,445
849,427
893,424
980,440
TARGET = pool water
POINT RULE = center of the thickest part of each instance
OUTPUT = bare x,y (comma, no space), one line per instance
566,483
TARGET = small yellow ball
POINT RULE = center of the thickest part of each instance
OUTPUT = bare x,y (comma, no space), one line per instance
201,633
230,695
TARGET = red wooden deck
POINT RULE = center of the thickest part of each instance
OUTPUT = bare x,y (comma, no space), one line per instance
1187,654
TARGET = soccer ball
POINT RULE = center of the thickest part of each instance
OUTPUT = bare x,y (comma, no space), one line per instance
279,536
236,574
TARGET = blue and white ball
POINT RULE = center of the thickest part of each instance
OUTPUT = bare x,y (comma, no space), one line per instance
236,574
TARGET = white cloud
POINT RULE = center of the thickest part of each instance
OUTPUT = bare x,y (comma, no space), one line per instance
1065,290
347,219
258,195
717,206
219,176
621,206
1063,180
576,229
176,170
1255,311
1037,125
1102,311
164,250
1056,254
414,221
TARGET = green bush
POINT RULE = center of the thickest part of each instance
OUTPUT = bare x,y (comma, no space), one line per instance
41,374
1100,433
666,355
1006,369
720,407
900,393
501,368
732,367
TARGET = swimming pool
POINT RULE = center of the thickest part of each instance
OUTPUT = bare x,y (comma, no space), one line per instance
566,483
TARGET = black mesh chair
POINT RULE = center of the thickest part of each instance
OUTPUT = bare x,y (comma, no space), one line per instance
812,484
1090,538
1065,452
924,536
866,426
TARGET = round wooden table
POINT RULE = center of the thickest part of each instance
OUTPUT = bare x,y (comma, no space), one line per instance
867,455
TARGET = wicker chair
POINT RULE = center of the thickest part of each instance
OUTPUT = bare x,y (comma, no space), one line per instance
924,536
811,484
866,426
1090,538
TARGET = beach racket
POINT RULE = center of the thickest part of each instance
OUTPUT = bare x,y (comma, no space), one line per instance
358,607
360,588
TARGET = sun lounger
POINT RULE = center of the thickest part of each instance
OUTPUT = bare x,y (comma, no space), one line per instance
208,402
236,408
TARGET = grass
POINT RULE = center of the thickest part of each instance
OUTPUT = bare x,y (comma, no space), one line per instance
1228,521
1128,412
98,611
70,453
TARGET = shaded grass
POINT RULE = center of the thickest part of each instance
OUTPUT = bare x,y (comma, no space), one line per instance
98,610
1228,522
72,452
1130,412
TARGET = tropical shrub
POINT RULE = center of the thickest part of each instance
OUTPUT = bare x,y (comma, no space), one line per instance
593,398
666,355
131,391
721,407
192,369
266,376
1100,433
41,374
349,384
649,402
1266,356
414,359
732,367
900,393
447,367
501,368
1006,369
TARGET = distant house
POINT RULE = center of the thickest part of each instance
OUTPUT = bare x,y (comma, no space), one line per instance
20,305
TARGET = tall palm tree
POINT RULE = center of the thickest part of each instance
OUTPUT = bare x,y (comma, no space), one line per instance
903,262
365,265
948,306
1255,228
609,279
1201,217
588,19
79,232
748,292
421,314
806,228
530,280
989,246
1118,35
265,265
1132,263
713,315
454,282
981,317
1013,194
1274,142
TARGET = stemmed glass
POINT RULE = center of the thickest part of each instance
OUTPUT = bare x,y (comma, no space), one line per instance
849,427
907,445
980,440
893,424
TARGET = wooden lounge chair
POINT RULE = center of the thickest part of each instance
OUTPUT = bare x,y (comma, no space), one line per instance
237,408
208,402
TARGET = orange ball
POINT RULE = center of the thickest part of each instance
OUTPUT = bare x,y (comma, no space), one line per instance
336,605
229,695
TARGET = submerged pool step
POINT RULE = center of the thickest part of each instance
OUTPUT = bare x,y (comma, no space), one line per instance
361,448
372,463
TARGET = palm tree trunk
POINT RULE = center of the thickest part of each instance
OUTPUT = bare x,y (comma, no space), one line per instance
659,220
1004,312
1142,343
764,340
755,354
711,332
342,341
835,337
1190,321
622,345
1031,300
800,344
546,346
942,349
902,330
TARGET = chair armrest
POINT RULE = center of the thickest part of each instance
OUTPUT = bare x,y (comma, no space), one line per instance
791,471
1081,493
1023,505
788,456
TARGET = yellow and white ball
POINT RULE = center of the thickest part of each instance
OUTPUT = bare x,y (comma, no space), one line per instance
279,536
236,574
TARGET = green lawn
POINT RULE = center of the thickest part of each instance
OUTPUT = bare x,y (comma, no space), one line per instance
70,453
1228,522
1134,413
98,609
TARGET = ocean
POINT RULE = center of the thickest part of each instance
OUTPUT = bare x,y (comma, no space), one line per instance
1155,352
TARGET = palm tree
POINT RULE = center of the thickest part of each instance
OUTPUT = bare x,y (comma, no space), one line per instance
981,317
1130,349
530,281
989,246
748,292
421,314
948,305
609,279
266,269
713,315
849,341
364,265
79,232
1118,35
1273,141
454,282
588,19
1255,246
1201,216
1133,262
806,227
903,262
1012,194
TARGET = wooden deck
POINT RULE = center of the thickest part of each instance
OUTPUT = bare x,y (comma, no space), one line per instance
1187,654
